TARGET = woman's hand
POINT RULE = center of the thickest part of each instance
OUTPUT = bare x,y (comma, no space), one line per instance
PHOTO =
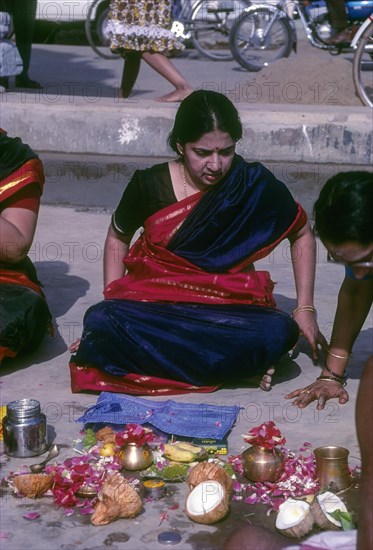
309,328
319,391
74,346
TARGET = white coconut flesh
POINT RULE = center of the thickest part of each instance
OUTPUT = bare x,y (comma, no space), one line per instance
291,512
205,498
329,503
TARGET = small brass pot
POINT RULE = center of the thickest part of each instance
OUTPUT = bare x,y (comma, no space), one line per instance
261,464
134,457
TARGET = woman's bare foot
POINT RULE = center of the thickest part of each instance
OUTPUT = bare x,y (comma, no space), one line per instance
178,95
266,381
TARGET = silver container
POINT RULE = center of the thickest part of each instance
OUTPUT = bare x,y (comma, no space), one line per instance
24,429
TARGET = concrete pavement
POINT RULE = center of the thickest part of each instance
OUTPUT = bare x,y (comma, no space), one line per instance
78,110
68,255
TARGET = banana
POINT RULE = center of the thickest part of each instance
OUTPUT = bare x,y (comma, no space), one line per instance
178,454
189,447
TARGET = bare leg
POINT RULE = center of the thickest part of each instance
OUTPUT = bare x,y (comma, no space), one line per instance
337,14
130,73
163,66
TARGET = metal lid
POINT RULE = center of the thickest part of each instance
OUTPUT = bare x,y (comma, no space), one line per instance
22,409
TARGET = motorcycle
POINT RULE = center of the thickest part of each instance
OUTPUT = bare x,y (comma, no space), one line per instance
266,32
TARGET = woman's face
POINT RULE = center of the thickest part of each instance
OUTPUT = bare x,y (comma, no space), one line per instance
353,255
208,159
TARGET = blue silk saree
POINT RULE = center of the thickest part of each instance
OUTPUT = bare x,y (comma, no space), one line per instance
192,313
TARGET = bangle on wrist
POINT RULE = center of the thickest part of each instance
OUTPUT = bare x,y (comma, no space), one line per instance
339,356
303,308
332,379
339,376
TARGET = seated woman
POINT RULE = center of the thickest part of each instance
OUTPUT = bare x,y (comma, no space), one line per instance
24,313
185,309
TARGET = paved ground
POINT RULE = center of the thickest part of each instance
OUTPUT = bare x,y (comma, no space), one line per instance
68,254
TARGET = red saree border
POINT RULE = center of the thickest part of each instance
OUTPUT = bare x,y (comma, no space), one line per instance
6,352
7,276
30,172
88,378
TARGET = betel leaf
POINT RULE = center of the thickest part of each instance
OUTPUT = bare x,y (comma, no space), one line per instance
344,518
89,438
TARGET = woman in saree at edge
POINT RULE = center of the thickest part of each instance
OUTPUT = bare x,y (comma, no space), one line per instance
24,313
186,310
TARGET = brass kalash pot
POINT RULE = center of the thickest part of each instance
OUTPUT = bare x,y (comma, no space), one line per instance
261,464
135,457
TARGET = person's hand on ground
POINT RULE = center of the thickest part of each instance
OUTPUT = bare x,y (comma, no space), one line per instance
309,328
320,391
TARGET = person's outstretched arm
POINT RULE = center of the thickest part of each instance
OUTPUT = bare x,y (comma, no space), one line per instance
303,255
354,302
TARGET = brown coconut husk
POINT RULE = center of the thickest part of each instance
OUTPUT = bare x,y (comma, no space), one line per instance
213,516
33,485
321,518
301,529
205,471
117,499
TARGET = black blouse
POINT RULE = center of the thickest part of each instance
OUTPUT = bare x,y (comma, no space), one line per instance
149,191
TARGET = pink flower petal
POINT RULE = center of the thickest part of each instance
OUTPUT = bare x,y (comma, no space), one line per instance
31,515
86,510
252,499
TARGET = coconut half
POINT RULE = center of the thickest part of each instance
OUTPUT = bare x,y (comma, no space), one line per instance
323,505
294,518
33,485
209,471
207,503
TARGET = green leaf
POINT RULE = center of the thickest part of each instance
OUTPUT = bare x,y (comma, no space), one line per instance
344,518
89,438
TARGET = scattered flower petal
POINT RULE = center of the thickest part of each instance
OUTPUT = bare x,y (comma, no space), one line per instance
31,515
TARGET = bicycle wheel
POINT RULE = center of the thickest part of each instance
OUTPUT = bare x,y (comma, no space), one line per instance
362,71
258,39
212,21
96,29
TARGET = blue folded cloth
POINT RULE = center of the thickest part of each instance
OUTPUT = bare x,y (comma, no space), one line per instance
200,420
